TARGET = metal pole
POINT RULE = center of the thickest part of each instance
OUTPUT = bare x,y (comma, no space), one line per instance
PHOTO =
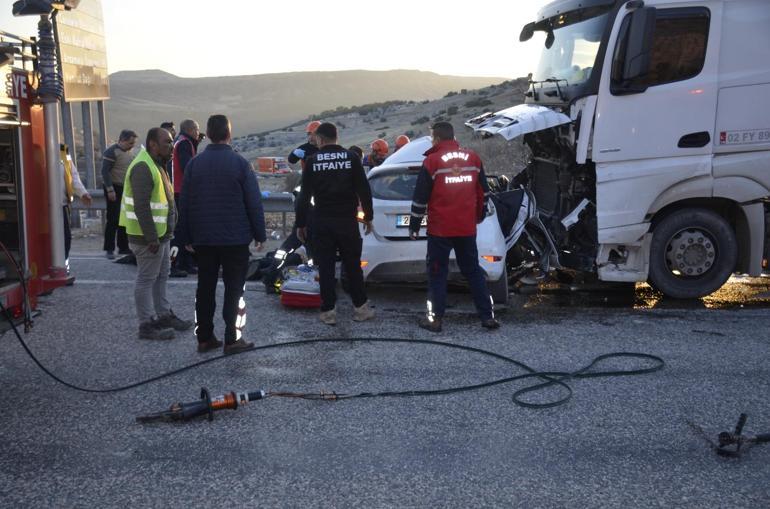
102,126
50,93
68,128
88,145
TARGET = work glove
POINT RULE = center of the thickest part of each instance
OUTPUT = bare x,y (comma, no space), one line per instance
300,153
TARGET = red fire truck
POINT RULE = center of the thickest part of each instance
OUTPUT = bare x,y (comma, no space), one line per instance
26,236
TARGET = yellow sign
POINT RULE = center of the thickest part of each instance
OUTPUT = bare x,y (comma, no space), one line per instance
80,33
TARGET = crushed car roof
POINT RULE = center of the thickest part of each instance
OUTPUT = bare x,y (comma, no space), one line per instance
517,120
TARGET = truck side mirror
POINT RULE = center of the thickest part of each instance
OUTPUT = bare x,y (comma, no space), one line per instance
638,49
527,32
549,39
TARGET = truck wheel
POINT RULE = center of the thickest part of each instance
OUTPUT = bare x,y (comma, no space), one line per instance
693,253
499,289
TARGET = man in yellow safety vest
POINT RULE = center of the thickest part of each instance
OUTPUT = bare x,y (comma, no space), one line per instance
148,213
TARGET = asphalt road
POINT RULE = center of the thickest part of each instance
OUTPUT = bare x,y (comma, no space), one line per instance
620,442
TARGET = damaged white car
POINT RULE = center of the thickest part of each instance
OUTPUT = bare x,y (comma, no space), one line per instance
388,253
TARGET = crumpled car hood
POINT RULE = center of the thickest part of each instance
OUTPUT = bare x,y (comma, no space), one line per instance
517,120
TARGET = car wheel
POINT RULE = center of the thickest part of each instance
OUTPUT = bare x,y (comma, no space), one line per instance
499,289
693,252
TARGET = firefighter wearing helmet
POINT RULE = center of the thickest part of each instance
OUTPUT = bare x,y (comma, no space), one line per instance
308,148
377,155
402,140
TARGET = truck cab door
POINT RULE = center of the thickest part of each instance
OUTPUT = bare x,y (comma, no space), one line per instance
655,127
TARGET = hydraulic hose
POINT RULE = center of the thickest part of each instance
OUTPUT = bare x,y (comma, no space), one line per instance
546,378
51,88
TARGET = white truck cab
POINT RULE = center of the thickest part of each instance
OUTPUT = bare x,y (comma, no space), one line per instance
649,129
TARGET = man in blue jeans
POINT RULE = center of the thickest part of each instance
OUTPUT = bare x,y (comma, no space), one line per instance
451,188
220,214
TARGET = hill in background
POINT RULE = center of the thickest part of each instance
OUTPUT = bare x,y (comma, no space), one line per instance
144,99
363,124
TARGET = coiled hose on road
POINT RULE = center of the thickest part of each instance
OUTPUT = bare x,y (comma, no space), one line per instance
547,378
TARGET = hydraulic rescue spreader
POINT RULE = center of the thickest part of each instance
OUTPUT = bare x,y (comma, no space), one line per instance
730,443
206,405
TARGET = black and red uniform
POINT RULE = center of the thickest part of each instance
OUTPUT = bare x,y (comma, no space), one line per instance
452,188
306,150
334,178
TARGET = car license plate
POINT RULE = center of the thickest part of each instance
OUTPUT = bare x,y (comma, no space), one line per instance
402,221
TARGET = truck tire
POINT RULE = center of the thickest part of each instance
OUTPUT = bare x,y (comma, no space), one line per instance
499,289
693,252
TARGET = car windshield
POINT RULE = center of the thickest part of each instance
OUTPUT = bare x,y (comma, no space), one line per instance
394,185
573,53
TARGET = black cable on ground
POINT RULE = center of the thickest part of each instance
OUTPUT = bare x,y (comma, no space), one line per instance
549,378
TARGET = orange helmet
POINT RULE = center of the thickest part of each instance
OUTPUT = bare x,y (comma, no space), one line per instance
402,140
312,126
380,146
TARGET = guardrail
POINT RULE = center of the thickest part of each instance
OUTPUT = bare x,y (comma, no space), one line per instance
282,203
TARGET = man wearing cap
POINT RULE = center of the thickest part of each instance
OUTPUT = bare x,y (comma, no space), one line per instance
378,154
115,161
308,148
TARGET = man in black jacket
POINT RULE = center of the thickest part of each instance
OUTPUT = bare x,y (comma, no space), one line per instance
308,148
220,214
334,177
115,162
185,148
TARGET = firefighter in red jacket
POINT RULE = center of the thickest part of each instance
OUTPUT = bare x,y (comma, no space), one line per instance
451,188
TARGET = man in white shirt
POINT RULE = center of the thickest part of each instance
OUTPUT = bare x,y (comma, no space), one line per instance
73,186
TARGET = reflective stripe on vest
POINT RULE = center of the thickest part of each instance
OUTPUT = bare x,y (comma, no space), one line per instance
158,201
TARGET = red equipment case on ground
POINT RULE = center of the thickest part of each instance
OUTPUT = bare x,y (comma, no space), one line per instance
300,288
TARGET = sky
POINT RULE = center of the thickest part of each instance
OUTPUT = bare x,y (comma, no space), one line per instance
192,38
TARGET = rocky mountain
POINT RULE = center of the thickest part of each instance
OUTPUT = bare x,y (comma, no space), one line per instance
363,124
143,99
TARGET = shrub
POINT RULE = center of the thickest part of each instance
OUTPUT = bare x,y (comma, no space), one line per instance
451,94
421,120
477,103
452,110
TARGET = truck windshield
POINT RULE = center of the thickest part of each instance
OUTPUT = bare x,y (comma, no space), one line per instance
574,50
